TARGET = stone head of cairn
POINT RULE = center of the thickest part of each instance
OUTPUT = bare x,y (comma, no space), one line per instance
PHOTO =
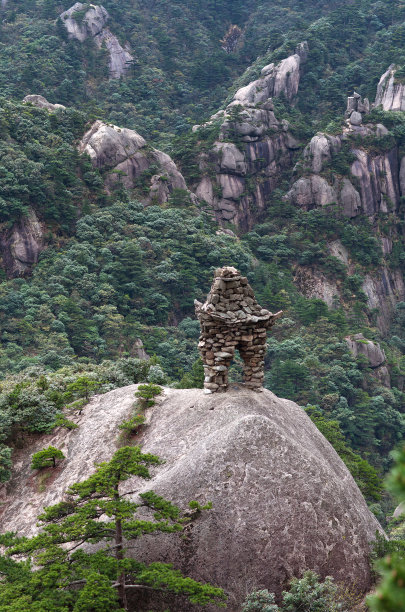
231,319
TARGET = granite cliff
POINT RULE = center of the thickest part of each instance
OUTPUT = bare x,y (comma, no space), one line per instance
372,186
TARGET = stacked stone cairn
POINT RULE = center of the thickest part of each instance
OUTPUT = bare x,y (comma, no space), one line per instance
231,319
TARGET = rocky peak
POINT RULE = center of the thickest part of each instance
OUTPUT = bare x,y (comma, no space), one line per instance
84,21
320,150
252,144
281,496
390,91
123,155
276,79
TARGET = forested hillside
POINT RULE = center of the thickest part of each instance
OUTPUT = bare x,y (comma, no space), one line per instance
97,255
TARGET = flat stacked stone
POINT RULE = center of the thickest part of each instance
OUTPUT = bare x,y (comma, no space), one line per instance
231,319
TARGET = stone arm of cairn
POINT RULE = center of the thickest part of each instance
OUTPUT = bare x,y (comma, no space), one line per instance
231,319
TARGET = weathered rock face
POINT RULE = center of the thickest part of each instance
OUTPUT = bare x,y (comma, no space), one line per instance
82,24
124,156
390,93
312,283
21,245
42,102
253,147
320,150
375,355
283,501
312,191
376,186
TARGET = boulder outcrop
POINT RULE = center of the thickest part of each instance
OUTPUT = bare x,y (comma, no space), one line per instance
283,501
21,245
390,91
123,155
84,21
359,345
42,102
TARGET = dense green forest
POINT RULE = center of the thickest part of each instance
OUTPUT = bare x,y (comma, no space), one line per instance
115,271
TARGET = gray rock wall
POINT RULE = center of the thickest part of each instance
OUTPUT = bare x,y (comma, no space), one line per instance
390,93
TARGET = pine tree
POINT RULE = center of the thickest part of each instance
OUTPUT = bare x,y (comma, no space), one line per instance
96,511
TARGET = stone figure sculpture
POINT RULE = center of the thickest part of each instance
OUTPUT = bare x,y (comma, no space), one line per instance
232,319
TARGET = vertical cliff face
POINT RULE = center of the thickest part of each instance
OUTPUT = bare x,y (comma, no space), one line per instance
253,148
21,245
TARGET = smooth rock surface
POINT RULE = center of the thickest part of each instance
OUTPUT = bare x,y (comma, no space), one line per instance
320,150
282,78
283,501
311,191
89,24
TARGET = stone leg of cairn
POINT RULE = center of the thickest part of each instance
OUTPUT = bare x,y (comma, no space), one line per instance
217,349
252,348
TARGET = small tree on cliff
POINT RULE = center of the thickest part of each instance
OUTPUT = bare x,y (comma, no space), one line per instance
70,578
46,457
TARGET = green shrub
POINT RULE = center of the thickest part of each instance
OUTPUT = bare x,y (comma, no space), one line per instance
46,457
260,601
146,393
133,424
309,594
62,421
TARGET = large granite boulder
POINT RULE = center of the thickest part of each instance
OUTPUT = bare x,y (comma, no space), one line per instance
123,155
283,501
